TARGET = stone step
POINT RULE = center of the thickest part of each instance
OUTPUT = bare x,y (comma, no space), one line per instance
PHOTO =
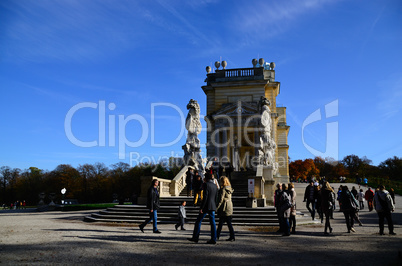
168,214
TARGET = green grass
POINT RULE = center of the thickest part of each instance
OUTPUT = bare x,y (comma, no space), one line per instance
396,185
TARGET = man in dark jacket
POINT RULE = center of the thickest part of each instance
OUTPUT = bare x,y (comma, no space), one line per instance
153,205
208,206
310,197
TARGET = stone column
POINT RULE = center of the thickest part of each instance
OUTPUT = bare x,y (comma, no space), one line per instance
256,141
217,143
224,141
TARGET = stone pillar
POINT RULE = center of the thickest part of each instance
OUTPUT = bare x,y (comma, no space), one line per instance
256,141
224,141
217,144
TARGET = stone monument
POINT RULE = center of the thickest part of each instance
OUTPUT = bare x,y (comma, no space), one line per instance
267,143
192,151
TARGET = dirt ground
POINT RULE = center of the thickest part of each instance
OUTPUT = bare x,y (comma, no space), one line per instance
63,238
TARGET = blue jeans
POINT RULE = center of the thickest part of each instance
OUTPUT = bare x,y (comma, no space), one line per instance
312,210
197,225
153,216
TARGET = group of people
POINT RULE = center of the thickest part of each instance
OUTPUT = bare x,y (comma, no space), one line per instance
15,206
194,184
285,204
352,201
322,201
215,199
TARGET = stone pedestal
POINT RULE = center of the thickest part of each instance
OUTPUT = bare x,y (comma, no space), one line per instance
251,202
259,189
267,174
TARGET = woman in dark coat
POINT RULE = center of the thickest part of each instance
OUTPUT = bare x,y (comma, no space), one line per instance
348,207
327,203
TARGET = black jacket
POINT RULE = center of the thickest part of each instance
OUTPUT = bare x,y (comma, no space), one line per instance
210,196
349,203
307,193
153,199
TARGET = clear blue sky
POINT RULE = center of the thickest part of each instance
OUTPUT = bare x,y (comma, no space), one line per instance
128,55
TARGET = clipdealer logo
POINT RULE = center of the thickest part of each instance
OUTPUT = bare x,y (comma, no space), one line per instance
147,130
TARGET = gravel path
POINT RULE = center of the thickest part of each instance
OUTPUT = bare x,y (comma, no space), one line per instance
63,238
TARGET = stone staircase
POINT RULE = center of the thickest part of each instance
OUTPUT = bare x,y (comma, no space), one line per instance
168,214
170,205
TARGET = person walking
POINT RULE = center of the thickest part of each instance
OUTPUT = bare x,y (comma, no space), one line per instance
181,215
197,185
189,181
284,210
338,198
392,193
348,206
369,196
153,205
354,192
309,198
292,218
360,198
384,206
317,190
327,203
225,208
277,195
208,206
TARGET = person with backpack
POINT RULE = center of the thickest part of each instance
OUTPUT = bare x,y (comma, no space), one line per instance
349,207
327,203
384,206
284,210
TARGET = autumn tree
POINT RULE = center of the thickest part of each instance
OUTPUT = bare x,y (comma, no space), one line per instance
303,169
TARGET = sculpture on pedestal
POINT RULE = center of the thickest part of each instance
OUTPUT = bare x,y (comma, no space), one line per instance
192,149
267,142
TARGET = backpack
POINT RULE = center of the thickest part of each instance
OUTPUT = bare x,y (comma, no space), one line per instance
285,202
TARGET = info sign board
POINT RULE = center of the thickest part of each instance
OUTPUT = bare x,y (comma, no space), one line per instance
251,186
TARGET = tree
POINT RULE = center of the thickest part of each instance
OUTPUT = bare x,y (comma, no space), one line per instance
87,172
30,183
352,163
392,167
5,176
303,169
70,179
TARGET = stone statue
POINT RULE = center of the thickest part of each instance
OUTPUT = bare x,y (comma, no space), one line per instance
192,151
267,143
193,124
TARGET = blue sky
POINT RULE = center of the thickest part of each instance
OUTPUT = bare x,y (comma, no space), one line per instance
139,59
